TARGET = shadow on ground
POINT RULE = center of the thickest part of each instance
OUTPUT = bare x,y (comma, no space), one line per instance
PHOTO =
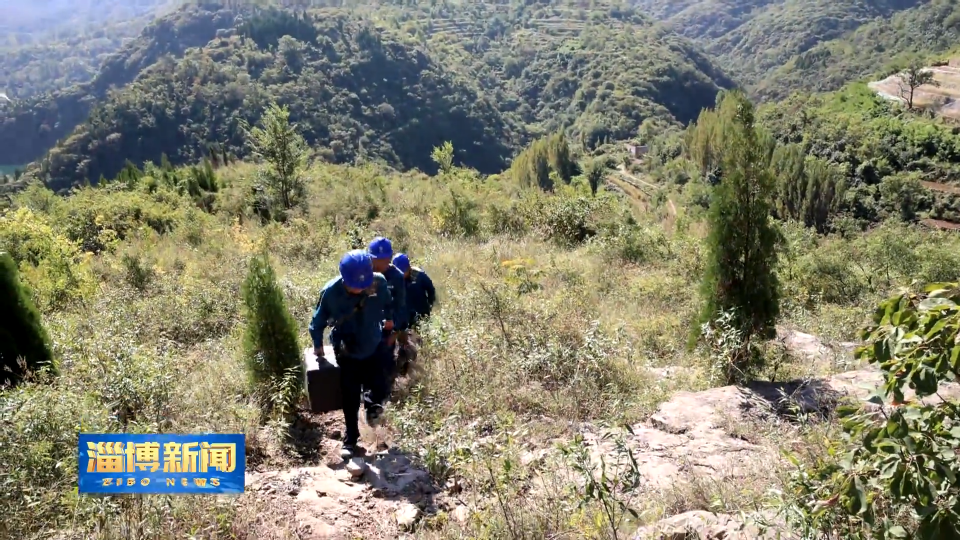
791,399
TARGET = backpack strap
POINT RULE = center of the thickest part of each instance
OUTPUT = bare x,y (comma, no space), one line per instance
345,318
356,308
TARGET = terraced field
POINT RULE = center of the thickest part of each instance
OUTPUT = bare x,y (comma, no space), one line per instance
944,99
551,21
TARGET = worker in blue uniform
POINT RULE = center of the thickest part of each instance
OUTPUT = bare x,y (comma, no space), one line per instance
382,252
420,297
357,306
420,292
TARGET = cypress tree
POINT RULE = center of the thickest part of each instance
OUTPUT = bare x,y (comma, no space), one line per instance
22,335
808,189
270,346
532,167
741,245
558,154
596,170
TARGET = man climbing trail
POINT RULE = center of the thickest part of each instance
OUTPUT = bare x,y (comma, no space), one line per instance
420,292
357,306
420,297
382,252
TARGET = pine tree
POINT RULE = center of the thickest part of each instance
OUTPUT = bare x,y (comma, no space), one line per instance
740,278
22,335
131,174
270,346
281,147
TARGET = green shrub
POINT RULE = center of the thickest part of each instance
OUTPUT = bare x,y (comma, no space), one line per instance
50,264
96,218
896,476
24,343
830,274
38,458
641,245
457,215
270,345
566,221
505,219
138,273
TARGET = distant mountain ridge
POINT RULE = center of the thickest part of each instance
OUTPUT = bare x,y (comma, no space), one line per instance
53,16
50,45
32,126
753,39
497,77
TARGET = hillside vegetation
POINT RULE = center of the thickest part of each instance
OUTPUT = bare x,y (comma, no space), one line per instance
776,48
846,161
49,45
600,71
750,38
351,90
138,283
623,342
489,92
929,30
886,153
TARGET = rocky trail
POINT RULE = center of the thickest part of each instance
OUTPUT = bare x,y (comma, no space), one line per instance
941,224
729,435
379,494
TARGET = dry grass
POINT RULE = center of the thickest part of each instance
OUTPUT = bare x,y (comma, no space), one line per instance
534,332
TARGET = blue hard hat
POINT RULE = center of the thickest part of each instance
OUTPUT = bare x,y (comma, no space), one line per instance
402,262
356,269
381,248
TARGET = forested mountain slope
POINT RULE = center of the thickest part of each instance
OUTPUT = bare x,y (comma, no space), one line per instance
386,84
31,126
352,90
929,29
750,38
51,44
602,70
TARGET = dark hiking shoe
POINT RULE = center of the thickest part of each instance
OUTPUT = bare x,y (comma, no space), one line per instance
374,414
348,451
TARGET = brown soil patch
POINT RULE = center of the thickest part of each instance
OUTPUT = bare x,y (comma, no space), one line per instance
945,99
940,224
935,186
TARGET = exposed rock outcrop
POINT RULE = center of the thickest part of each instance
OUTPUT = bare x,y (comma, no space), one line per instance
702,525
332,504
